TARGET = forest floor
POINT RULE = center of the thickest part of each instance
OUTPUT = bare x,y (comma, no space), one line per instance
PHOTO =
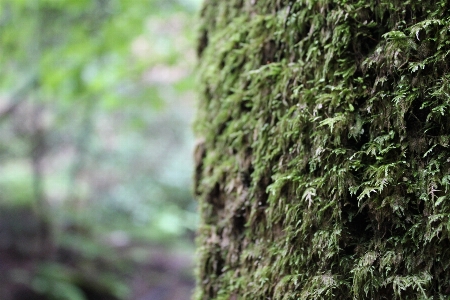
133,270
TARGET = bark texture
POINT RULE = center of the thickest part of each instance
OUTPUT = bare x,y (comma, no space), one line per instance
323,157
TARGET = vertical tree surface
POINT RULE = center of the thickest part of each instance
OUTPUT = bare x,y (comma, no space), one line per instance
323,156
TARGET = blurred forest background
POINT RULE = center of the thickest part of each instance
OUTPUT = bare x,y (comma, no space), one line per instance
96,101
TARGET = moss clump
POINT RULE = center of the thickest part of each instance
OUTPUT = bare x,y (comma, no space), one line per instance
323,166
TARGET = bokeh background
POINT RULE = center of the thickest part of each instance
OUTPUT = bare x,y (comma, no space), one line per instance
96,104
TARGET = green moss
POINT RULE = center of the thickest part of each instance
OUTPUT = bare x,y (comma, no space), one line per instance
323,170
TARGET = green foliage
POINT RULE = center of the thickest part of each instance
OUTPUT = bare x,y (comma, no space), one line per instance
62,283
95,106
322,171
55,281
16,186
102,83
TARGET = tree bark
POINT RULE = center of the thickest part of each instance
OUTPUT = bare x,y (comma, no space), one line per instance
322,168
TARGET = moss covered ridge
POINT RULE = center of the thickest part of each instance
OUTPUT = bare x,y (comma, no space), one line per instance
323,166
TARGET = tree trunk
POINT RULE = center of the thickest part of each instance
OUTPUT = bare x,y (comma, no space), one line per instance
322,167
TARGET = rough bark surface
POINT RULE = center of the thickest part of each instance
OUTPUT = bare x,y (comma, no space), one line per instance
323,157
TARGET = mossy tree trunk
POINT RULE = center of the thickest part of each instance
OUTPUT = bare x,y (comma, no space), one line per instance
323,157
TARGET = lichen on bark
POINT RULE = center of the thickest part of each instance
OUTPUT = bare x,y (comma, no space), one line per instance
322,170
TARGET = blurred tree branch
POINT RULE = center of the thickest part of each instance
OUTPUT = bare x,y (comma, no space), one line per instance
18,97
